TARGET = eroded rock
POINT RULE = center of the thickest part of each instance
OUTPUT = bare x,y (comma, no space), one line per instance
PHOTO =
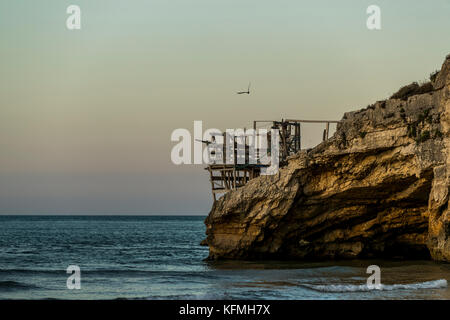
378,188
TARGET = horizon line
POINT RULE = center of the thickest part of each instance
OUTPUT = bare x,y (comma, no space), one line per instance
101,214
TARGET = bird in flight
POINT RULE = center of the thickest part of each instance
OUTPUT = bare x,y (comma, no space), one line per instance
245,92
206,141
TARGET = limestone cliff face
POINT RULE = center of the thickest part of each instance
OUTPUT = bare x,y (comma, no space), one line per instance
378,188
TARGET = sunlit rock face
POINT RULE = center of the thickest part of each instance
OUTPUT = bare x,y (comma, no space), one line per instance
378,188
439,214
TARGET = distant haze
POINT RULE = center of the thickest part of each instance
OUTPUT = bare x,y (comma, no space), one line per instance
86,116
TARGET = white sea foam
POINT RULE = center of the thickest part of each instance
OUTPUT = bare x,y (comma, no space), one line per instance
434,284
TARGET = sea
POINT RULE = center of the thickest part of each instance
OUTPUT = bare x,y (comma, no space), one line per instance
160,257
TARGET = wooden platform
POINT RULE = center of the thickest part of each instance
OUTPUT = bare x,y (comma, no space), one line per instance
226,177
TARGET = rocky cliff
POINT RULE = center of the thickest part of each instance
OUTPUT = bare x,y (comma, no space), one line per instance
378,188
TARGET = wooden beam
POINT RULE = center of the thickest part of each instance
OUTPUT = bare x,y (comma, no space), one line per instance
312,121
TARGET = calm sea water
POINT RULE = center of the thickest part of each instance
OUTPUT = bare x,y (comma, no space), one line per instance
158,257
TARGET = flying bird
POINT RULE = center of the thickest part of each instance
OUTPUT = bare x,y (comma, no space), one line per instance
204,141
245,92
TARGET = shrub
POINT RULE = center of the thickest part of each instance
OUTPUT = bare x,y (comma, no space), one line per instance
424,136
412,89
433,75
437,134
412,130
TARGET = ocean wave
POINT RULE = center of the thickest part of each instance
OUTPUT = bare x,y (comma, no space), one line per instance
14,285
115,273
434,284
204,296
25,271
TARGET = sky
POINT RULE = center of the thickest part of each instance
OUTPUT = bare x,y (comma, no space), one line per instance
86,115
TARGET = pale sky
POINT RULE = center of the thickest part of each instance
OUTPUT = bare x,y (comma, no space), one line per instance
86,115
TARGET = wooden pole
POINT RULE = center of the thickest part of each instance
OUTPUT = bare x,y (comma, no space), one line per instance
212,184
299,138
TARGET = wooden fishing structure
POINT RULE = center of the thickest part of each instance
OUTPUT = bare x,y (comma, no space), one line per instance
229,176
